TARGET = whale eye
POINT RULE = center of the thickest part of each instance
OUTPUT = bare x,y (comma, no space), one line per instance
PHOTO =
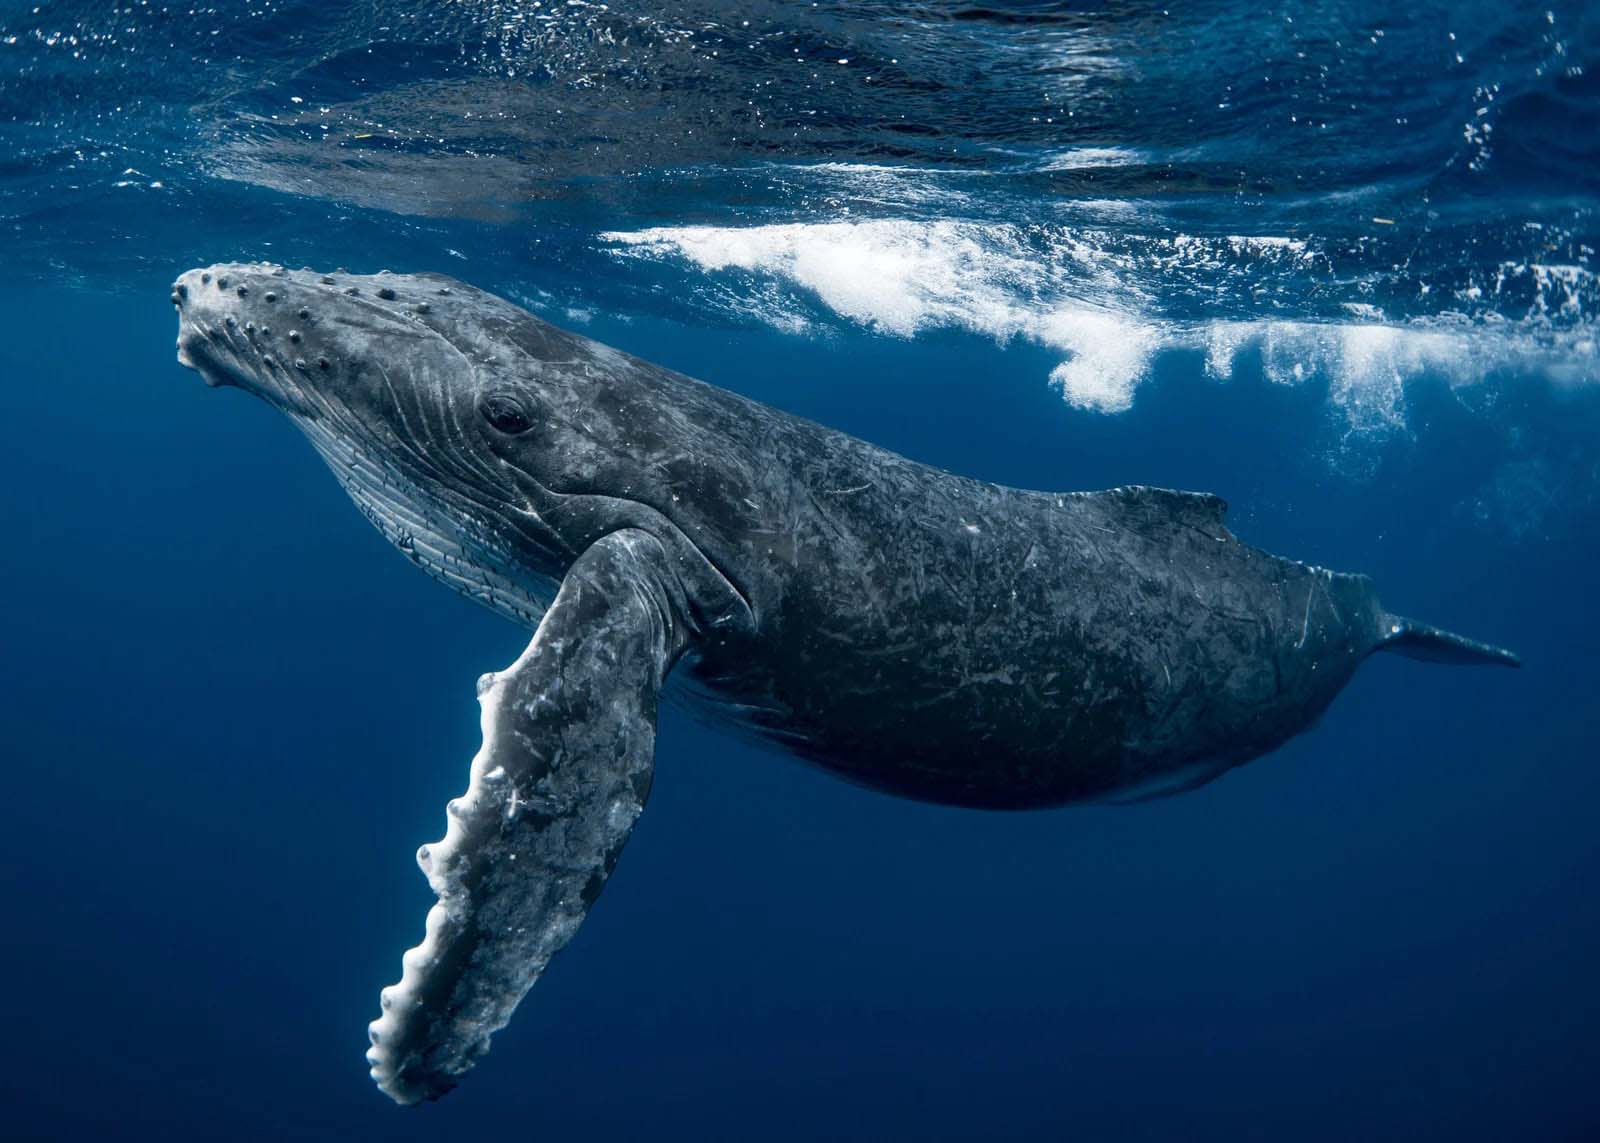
506,413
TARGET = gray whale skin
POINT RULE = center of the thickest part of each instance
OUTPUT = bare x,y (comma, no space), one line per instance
922,633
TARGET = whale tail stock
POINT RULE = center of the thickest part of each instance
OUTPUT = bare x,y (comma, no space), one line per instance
1434,645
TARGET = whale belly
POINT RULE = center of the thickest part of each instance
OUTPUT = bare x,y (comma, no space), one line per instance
1045,669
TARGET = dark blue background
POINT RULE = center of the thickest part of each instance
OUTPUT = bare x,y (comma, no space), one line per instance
230,715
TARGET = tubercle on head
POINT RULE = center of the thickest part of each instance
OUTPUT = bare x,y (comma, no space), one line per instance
239,297
243,280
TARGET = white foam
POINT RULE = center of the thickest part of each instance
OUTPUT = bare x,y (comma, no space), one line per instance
1259,243
1223,342
1090,293
900,278
896,277
1110,355
1080,158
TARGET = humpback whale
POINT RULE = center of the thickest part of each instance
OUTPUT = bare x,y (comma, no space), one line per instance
908,629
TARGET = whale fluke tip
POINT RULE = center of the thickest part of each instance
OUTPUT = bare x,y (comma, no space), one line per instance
1435,645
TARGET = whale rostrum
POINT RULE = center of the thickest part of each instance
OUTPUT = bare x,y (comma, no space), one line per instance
919,632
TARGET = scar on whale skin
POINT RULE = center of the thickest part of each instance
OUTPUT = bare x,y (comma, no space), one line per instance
904,628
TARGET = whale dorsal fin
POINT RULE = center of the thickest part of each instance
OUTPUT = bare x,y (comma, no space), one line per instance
1198,509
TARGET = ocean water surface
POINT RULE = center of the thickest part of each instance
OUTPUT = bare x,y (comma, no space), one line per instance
1334,261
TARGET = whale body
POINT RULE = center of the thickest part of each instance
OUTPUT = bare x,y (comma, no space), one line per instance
908,629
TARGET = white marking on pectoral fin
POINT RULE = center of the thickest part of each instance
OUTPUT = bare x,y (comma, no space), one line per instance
555,789
443,863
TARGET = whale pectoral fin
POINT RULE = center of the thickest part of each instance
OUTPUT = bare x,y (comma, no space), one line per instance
565,766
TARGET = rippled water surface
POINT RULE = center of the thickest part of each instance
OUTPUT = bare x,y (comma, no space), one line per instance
1334,260
1357,189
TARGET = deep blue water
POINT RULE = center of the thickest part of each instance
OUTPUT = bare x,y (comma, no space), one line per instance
1333,261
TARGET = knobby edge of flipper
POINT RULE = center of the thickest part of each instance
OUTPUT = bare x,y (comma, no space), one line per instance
1435,645
563,773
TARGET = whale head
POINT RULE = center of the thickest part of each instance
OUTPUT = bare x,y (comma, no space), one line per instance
413,393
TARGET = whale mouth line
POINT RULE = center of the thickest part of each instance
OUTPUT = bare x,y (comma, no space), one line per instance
198,350
217,356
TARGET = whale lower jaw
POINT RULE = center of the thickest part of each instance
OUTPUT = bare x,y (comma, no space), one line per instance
446,546
202,348
223,358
